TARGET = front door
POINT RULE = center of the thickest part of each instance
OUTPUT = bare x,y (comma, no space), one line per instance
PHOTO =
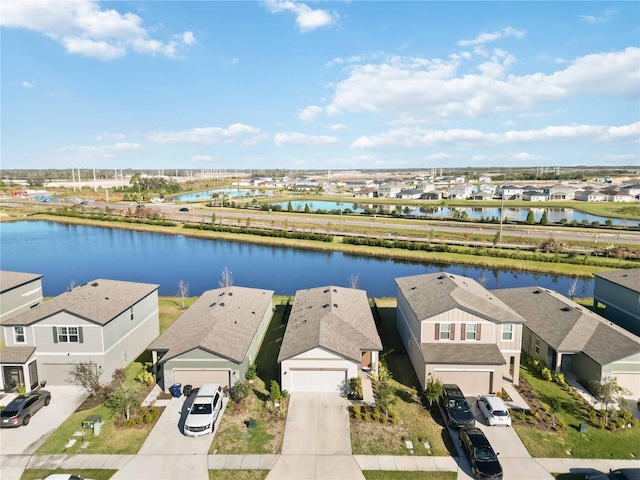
33,374
13,376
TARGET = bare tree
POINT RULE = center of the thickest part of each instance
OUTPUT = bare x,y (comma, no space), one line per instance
353,281
71,285
227,279
183,291
573,288
608,392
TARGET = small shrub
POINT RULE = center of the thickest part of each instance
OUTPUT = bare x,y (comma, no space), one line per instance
274,392
146,377
376,414
357,411
355,386
546,374
252,372
394,417
634,422
499,394
546,408
239,392
626,415
367,415
559,379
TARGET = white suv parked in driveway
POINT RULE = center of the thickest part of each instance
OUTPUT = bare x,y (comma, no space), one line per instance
204,410
494,410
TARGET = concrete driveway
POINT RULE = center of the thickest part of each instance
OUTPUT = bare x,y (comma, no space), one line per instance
65,399
317,440
167,436
516,462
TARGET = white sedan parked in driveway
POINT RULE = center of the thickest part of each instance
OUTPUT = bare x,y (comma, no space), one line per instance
494,410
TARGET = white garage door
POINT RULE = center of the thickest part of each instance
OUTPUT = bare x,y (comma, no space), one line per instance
56,374
318,380
470,382
630,381
197,377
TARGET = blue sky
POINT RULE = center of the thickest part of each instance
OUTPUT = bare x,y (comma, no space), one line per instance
319,85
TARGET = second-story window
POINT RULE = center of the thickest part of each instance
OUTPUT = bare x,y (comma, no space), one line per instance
470,333
507,332
19,335
445,331
67,335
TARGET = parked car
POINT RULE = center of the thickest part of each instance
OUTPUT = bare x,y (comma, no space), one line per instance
494,410
619,474
20,410
184,209
456,408
204,410
484,461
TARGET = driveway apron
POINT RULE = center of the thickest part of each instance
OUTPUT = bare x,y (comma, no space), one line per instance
317,440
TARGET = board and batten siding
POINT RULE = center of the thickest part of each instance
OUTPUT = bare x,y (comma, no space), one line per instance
458,318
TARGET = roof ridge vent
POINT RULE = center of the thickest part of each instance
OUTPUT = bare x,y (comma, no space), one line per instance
566,309
222,304
335,305
94,284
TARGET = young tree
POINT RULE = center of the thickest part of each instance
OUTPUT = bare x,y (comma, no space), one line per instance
183,291
385,395
227,279
573,288
86,374
124,398
530,218
289,207
433,389
544,220
607,391
353,281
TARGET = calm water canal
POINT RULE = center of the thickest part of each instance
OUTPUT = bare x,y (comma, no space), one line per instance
74,253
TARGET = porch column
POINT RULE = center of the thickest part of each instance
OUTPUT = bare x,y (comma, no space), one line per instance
374,361
558,365
154,363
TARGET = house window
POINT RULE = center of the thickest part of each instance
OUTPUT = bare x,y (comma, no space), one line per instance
507,332
445,331
68,335
18,333
131,314
537,346
470,333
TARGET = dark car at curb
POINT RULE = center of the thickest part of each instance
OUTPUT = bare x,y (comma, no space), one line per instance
457,411
619,474
484,461
20,410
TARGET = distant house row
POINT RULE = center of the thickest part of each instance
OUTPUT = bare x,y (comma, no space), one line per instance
451,327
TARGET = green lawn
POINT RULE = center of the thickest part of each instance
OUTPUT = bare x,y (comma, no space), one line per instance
596,443
171,309
94,474
395,475
415,422
238,474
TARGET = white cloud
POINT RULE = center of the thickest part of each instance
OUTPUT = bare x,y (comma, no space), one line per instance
528,157
493,36
307,19
206,135
597,18
309,114
85,28
26,84
202,158
296,139
335,127
110,135
433,89
101,151
417,138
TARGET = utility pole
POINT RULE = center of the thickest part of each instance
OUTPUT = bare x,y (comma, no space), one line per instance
501,208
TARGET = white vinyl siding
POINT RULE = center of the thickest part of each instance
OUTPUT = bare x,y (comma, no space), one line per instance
470,331
507,332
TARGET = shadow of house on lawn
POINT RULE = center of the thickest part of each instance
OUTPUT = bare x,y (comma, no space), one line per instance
267,359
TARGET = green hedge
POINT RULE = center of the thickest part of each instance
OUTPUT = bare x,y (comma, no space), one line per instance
103,217
320,237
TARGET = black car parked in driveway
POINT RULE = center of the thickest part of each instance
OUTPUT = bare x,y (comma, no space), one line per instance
456,408
484,461
619,474
20,410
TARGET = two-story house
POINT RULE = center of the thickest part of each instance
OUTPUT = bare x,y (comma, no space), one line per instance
459,332
19,292
460,192
619,292
104,322
510,192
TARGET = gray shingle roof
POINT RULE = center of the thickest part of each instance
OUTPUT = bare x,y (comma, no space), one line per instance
16,354
99,302
628,278
335,318
449,353
431,294
10,280
568,327
222,321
